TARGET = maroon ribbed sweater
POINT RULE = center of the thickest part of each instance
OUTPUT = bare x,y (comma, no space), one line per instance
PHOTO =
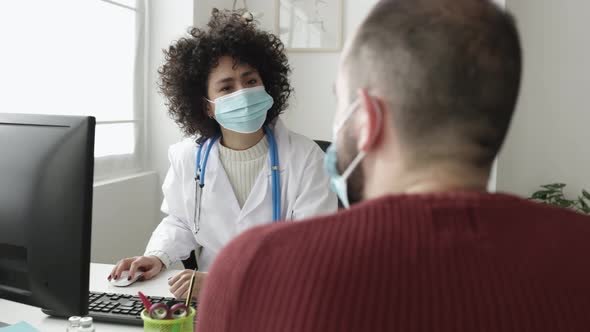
438,262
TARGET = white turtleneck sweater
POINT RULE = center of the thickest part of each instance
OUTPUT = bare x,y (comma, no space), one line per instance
243,167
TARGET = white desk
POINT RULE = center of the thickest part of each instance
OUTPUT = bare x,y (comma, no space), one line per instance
12,312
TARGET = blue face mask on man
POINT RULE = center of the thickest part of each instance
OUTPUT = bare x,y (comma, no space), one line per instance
243,111
338,182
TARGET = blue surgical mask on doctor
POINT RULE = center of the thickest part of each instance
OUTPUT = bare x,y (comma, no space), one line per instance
243,111
338,182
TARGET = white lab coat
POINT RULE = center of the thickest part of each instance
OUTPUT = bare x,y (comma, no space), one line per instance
304,193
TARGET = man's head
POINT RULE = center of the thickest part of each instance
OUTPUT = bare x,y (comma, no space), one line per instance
436,82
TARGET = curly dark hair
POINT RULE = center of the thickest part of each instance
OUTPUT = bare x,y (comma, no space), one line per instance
189,61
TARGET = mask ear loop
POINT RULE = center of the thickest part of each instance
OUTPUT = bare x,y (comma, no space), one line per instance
359,157
348,113
212,102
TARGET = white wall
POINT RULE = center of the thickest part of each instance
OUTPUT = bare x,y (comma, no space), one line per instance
168,21
124,214
550,137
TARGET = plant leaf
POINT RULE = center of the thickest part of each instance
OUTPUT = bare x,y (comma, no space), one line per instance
554,186
541,195
583,203
550,188
565,203
586,194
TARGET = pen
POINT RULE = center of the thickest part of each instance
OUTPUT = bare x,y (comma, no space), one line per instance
190,289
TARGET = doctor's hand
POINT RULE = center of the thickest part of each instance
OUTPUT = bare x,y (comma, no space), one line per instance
149,265
180,283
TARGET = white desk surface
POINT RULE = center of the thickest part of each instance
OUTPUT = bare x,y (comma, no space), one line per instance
12,312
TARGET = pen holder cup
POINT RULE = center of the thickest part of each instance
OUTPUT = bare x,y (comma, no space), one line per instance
185,324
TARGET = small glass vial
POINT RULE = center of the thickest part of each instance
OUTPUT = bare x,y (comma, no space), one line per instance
73,324
86,325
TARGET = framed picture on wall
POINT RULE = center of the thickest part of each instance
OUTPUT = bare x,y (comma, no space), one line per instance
263,11
310,25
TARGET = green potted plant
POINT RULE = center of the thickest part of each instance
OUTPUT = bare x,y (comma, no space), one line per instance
552,194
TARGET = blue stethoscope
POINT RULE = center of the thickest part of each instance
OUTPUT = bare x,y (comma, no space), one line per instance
201,167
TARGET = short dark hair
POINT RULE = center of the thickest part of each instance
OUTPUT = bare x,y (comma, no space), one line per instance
451,70
189,61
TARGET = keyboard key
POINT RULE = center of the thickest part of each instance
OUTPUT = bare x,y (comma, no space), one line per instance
105,310
125,312
116,311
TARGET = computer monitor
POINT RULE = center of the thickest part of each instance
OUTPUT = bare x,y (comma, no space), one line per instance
46,175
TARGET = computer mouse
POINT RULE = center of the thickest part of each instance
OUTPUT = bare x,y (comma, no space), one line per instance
123,281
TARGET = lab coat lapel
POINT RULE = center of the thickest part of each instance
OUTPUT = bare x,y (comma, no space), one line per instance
260,198
220,207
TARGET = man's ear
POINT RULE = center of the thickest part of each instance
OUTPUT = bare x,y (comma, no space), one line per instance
371,121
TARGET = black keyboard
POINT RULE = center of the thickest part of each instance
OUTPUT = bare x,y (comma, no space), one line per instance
121,308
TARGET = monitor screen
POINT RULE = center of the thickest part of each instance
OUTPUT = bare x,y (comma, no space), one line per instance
46,175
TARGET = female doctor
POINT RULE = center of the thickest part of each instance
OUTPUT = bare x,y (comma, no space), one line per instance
241,167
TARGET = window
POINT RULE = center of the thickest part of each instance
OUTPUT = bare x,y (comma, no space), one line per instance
80,57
